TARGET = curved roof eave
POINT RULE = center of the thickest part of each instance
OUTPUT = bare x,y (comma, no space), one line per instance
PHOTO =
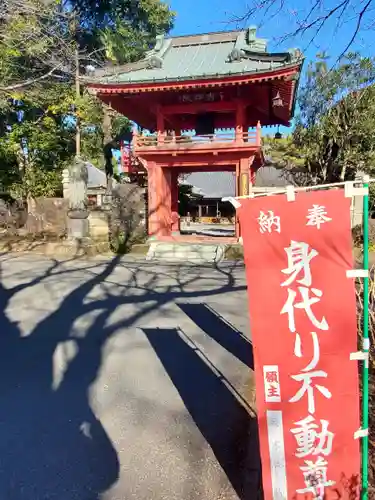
180,81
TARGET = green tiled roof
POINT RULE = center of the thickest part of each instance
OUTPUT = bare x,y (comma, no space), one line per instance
200,56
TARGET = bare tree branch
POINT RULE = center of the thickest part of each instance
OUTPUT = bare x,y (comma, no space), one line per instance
311,21
319,21
29,82
40,42
357,28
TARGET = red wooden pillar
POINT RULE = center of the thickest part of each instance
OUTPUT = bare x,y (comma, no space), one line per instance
165,202
237,194
159,200
153,218
160,125
259,134
240,121
242,185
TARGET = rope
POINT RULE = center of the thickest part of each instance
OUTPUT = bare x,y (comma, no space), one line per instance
298,189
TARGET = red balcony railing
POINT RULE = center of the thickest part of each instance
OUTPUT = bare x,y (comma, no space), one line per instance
219,140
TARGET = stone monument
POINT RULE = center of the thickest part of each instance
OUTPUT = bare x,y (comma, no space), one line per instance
76,190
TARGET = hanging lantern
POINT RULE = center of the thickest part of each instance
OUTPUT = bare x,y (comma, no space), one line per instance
278,134
277,102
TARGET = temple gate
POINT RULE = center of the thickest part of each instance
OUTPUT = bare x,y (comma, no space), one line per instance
203,100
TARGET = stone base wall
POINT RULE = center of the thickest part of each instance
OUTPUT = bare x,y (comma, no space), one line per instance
48,215
120,222
44,215
127,216
99,225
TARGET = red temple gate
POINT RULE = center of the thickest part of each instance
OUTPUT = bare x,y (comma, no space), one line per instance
203,100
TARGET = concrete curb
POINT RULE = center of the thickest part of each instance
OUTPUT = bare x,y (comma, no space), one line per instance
63,248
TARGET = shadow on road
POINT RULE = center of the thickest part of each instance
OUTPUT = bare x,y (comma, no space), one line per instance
52,445
223,421
221,331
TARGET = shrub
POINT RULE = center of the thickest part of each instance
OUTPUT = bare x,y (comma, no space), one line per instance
127,215
357,234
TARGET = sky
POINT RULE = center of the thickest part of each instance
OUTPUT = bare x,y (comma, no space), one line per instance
202,16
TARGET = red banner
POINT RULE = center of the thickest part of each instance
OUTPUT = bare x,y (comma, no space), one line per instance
303,323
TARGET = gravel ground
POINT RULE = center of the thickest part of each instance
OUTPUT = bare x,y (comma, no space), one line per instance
125,380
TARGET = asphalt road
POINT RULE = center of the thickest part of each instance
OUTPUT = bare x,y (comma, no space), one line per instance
124,380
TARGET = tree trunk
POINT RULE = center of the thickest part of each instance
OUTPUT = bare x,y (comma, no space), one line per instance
343,173
107,146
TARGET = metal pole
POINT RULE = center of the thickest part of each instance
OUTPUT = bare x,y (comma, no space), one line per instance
366,344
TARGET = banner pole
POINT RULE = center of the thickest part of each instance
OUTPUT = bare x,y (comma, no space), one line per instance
365,369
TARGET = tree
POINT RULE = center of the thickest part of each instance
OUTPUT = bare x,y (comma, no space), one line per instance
187,198
130,24
37,102
36,44
337,120
286,156
44,45
334,137
309,19
41,37
324,88
119,31
282,152
38,141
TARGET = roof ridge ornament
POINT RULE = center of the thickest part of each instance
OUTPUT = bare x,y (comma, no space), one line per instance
236,55
159,42
295,54
247,42
155,56
255,44
251,34
155,62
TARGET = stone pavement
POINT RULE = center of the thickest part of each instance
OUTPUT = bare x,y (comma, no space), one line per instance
209,229
125,380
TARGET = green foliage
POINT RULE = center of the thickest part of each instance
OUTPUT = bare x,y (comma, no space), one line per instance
36,143
39,107
325,88
283,152
285,155
38,139
114,41
39,40
121,128
35,44
37,182
146,15
357,235
337,120
185,198
9,172
124,28
334,138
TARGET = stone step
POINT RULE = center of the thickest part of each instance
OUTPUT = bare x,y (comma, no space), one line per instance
185,252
